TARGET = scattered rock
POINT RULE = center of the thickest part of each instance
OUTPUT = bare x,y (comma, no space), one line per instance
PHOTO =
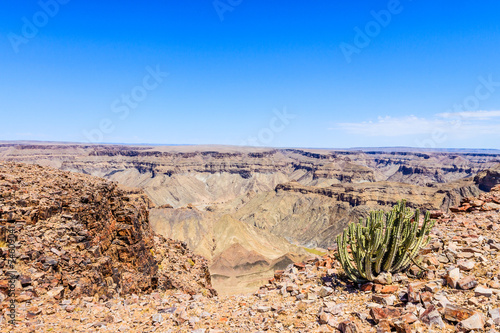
467,282
455,313
474,322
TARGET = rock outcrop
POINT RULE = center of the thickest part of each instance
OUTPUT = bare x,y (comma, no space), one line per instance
78,235
487,179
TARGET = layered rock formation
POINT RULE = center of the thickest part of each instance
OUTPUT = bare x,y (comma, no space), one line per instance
202,175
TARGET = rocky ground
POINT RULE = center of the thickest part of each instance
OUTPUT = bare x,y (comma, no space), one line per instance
460,290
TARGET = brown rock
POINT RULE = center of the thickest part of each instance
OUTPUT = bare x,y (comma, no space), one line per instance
432,317
384,327
384,299
348,326
388,312
455,313
366,286
467,282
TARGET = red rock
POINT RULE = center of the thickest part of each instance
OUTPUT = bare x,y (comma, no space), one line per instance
456,313
300,265
389,289
388,312
366,286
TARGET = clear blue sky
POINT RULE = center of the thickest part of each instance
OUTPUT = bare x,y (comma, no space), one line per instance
424,73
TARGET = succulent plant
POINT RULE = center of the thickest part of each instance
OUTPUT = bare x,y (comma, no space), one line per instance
385,242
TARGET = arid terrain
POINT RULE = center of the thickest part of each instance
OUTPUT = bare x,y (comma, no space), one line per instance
87,260
251,211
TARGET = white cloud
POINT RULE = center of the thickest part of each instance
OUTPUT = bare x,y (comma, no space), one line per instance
458,125
389,126
470,114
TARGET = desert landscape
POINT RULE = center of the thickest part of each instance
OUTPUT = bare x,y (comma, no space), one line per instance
193,228
232,166
253,211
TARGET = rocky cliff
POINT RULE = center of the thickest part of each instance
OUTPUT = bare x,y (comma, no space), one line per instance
78,235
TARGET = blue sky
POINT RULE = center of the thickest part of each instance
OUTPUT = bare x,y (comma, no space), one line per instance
287,74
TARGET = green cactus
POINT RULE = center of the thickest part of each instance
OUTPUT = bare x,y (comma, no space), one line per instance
386,242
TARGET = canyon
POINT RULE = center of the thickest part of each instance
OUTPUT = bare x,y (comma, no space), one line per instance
251,211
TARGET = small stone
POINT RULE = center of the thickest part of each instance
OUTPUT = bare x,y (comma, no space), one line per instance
384,299
473,301
432,317
34,311
442,301
426,298
399,277
377,288
383,327
467,282
263,308
312,296
325,291
383,278
366,287
432,287
389,312
334,308
495,315
157,318
389,289
494,284
70,308
465,265
324,318
348,326
409,318
456,313
482,291
474,322
56,292
453,277
413,295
